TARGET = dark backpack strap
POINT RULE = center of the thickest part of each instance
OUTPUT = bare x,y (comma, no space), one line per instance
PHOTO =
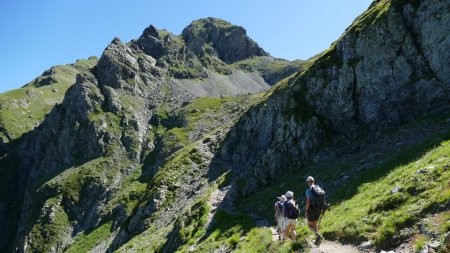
314,199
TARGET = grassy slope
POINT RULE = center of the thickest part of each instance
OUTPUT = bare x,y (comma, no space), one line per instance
377,214
355,202
363,208
200,112
269,68
204,113
22,109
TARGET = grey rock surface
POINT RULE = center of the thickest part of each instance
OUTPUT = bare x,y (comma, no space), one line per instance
369,79
228,42
126,117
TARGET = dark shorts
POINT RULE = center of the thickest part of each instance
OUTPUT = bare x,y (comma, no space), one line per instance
313,215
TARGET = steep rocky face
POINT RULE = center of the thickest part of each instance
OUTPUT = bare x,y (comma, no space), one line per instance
171,53
152,43
219,38
381,73
66,138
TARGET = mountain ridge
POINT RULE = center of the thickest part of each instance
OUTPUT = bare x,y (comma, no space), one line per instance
100,109
129,161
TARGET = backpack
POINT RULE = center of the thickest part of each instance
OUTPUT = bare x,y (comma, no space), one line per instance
290,210
280,205
318,201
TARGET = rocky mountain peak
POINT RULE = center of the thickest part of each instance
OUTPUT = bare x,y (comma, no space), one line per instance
152,43
116,41
228,42
151,31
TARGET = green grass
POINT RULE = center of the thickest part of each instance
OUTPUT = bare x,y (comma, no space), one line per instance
257,240
182,72
47,232
419,243
190,226
445,222
269,69
371,16
178,165
174,130
363,208
249,65
378,215
72,181
22,109
129,193
226,231
88,240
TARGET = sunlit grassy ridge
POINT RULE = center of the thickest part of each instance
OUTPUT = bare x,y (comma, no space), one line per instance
23,109
378,212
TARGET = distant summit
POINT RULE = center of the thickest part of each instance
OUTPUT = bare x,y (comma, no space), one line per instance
228,42
209,43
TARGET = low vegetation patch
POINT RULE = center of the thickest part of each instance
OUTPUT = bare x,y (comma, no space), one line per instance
86,241
382,207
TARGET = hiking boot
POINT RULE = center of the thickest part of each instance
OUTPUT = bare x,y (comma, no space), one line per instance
318,240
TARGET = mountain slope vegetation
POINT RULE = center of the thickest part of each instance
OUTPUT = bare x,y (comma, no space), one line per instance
180,143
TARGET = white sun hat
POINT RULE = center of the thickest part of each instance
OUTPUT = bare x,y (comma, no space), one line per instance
282,198
289,194
309,179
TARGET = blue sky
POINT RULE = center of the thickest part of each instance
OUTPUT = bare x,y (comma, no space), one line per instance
36,35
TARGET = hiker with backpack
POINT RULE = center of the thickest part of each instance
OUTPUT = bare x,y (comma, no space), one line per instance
291,213
279,218
315,207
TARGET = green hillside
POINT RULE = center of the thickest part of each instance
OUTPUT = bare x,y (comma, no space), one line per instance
23,109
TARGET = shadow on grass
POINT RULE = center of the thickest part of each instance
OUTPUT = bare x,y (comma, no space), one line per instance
262,202
402,157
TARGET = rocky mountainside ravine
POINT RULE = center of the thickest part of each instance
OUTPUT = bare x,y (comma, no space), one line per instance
180,143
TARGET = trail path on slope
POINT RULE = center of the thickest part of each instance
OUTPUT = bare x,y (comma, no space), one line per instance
334,247
325,246
275,235
217,197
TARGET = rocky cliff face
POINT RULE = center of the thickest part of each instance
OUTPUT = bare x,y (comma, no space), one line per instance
152,148
221,39
382,72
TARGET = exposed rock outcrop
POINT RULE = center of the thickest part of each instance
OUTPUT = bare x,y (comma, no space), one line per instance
381,73
212,36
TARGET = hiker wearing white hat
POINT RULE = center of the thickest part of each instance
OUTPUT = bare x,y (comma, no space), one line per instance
313,210
290,213
279,218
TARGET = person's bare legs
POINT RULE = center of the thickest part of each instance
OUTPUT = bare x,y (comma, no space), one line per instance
294,233
286,231
290,232
313,227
